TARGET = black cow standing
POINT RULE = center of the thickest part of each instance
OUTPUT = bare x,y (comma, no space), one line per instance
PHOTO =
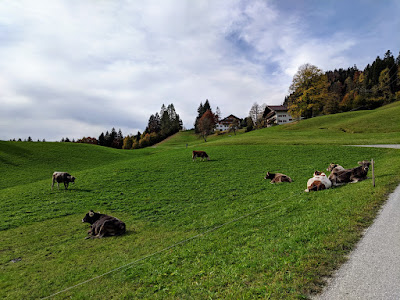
103,225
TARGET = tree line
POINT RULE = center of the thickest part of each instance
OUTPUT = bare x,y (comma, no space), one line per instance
314,92
159,127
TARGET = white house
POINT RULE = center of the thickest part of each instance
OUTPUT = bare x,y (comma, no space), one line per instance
277,115
226,122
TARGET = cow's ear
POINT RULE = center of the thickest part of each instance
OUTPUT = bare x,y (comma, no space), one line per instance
360,162
91,213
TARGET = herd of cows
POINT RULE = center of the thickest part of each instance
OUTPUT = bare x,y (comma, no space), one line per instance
338,176
104,225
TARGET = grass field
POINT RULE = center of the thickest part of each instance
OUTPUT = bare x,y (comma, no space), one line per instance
195,230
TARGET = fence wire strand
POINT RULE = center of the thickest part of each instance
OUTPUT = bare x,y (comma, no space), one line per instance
129,265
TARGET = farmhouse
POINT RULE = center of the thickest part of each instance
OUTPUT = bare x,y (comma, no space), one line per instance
277,115
225,123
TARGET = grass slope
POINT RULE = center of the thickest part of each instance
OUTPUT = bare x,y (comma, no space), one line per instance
276,241
380,126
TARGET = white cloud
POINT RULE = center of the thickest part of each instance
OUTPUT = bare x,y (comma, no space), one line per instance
102,64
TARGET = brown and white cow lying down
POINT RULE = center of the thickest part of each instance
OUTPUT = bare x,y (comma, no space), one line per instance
103,225
340,177
318,182
62,177
277,177
203,155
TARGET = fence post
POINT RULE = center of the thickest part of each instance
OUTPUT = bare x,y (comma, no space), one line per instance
373,172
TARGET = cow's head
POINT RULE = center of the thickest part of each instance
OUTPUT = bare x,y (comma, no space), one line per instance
318,173
332,166
269,176
365,164
71,179
91,217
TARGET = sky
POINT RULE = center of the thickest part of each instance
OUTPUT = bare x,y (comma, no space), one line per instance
77,68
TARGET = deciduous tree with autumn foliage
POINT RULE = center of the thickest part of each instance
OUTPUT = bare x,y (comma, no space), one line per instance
206,124
310,90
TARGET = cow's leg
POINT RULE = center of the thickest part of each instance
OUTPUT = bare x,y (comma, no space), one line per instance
101,232
66,185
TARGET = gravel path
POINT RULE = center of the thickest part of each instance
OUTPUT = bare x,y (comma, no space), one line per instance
373,268
395,146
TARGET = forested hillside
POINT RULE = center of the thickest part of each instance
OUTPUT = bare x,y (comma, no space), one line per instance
314,92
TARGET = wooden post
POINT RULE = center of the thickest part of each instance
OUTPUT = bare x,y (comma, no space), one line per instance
373,172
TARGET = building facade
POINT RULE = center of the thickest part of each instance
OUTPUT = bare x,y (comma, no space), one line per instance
226,122
277,115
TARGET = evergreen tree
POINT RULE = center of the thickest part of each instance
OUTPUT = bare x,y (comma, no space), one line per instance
154,124
165,124
138,135
390,63
101,139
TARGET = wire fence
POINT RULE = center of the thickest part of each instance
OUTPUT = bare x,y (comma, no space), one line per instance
215,228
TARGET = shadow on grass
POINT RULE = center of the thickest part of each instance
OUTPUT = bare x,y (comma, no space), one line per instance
82,190
71,190
127,233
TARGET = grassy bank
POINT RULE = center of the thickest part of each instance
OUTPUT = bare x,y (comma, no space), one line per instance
260,240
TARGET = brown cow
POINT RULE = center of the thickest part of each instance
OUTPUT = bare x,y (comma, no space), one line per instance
103,225
277,177
203,155
62,177
334,169
339,177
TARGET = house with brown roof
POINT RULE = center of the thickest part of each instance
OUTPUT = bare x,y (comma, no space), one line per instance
226,122
277,115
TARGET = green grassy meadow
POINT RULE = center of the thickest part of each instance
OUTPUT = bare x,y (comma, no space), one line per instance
195,230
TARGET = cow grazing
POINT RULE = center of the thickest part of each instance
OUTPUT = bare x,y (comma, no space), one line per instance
203,155
318,182
277,177
62,177
350,175
103,225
